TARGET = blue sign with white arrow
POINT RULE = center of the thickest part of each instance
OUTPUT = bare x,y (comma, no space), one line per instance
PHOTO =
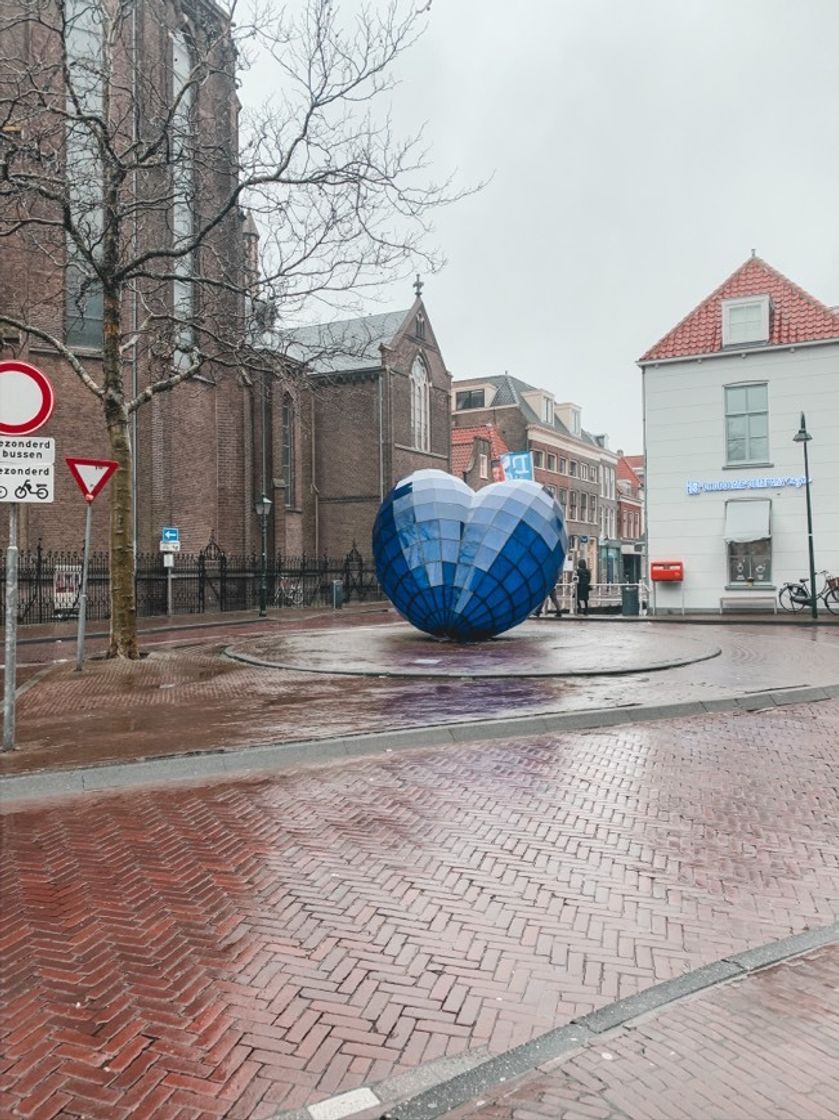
170,534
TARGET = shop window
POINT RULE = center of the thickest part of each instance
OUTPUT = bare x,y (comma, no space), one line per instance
748,541
750,561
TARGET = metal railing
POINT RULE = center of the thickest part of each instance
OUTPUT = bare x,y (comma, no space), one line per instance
208,581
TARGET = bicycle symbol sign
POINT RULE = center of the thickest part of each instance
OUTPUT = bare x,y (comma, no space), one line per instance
33,484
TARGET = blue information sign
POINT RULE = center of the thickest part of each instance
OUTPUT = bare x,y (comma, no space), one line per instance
170,534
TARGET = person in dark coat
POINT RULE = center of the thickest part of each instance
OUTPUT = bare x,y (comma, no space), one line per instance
583,586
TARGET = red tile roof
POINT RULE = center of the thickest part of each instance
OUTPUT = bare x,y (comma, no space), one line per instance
463,440
635,461
625,471
796,316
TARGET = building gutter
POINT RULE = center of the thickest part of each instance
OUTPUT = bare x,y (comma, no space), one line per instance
733,352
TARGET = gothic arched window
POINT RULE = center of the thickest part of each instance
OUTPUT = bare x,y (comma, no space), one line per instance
420,399
288,450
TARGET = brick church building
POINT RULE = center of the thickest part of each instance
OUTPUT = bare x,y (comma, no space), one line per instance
321,421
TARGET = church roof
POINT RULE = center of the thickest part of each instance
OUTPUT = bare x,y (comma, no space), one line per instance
347,344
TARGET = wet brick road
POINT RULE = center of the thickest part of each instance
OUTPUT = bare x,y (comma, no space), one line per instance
236,948
763,1048
179,700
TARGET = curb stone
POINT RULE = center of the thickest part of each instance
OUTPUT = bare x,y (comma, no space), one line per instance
273,757
441,1096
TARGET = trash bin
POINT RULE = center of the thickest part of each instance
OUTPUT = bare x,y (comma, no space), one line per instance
338,594
629,599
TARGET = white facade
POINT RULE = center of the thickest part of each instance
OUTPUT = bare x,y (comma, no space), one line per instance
686,443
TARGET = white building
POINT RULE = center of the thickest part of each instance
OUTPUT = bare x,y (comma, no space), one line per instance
724,391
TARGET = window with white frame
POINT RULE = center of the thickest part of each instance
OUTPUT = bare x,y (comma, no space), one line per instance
538,459
572,468
572,505
584,506
747,423
563,499
420,404
563,466
483,466
547,410
745,320
552,463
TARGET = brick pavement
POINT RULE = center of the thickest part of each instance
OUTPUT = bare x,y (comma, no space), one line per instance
181,700
235,948
762,1048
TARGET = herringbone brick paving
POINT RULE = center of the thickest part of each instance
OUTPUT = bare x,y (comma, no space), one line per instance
762,1048
237,948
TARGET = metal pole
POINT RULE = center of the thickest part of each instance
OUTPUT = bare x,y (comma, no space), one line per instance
10,671
263,575
169,601
83,596
814,610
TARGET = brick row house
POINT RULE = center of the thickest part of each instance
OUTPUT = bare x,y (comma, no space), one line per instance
475,454
631,528
571,462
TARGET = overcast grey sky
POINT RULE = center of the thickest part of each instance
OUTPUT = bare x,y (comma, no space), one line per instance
640,149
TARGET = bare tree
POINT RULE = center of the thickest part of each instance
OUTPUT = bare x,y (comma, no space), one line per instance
126,188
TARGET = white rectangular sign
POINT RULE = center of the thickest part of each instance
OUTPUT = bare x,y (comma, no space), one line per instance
170,546
20,483
27,449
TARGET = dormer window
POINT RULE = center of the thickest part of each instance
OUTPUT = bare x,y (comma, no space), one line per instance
548,410
469,398
745,321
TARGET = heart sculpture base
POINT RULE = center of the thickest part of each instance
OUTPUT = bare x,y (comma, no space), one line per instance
467,565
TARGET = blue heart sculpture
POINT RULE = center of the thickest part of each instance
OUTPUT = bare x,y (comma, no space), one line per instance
464,564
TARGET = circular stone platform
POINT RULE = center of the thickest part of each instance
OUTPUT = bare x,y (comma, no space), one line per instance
532,650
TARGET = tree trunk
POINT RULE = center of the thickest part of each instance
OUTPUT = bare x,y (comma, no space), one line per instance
123,641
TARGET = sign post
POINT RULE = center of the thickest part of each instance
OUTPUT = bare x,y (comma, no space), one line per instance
10,673
26,403
90,475
170,542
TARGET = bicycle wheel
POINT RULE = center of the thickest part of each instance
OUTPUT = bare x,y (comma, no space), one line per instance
831,600
793,597
295,595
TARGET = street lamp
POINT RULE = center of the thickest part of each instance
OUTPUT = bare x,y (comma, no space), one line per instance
803,436
262,505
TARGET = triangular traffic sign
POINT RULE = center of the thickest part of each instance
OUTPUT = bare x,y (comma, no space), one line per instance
91,474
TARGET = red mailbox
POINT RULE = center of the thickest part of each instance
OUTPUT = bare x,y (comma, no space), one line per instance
667,571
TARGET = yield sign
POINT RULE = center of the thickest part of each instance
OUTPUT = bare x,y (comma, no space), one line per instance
91,474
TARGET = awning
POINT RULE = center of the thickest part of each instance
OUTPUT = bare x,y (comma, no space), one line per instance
747,520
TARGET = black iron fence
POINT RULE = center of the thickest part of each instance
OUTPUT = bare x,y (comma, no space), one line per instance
50,583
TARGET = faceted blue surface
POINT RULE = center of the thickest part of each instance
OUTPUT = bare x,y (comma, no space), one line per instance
467,565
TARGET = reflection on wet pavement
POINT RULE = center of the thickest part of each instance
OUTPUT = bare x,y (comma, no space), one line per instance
530,650
178,701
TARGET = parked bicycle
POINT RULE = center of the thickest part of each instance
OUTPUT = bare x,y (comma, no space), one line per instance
289,592
796,596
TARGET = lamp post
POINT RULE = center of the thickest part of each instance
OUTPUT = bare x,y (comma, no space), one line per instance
803,436
262,505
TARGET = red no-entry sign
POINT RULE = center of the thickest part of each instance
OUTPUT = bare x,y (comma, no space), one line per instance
26,398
